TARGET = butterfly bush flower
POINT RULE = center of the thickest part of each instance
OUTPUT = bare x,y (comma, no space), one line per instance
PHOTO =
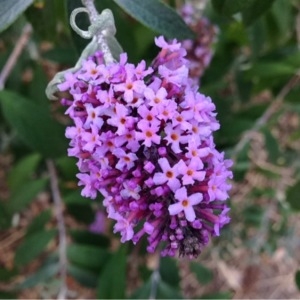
199,51
143,138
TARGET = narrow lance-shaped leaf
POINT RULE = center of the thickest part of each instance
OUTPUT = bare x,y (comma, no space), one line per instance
203,274
169,271
158,16
229,7
112,280
34,124
43,274
297,279
87,257
255,10
22,171
10,11
33,246
250,9
25,194
292,196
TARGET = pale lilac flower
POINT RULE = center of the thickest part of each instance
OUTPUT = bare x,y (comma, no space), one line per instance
191,171
148,133
93,116
185,203
125,159
121,120
156,98
168,175
91,139
175,137
200,50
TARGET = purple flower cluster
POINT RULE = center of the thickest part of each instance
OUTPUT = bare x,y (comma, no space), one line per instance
143,139
199,51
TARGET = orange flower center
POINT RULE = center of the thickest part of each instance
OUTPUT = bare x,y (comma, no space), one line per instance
174,136
149,118
185,203
169,174
148,134
190,172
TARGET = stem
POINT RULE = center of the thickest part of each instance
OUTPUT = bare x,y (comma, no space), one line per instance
93,15
62,237
155,277
12,60
89,4
274,106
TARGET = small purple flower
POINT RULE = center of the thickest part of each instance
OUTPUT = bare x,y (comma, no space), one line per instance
199,51
185,203
98,226
144,140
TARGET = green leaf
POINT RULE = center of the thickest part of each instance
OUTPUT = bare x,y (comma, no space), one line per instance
65,56
33,245
84,277
220,295
67,167
43,274
10,10
22,171
6,275
272,146
169,271
34,124
8,295
297,279
79,207
143,292
270,70
253,215
250,9
87,257
203,274
162,290
82,21
255,10
76,198
230,7
90,238
39,222
5,216
112,279
45,30
165,291
82,212
292,196
158,16
25,194
38,85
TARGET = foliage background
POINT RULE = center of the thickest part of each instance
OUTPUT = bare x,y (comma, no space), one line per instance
253,79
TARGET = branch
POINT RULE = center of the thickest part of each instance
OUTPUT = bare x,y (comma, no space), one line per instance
155,278
89,4
12,60
260,122
62,237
